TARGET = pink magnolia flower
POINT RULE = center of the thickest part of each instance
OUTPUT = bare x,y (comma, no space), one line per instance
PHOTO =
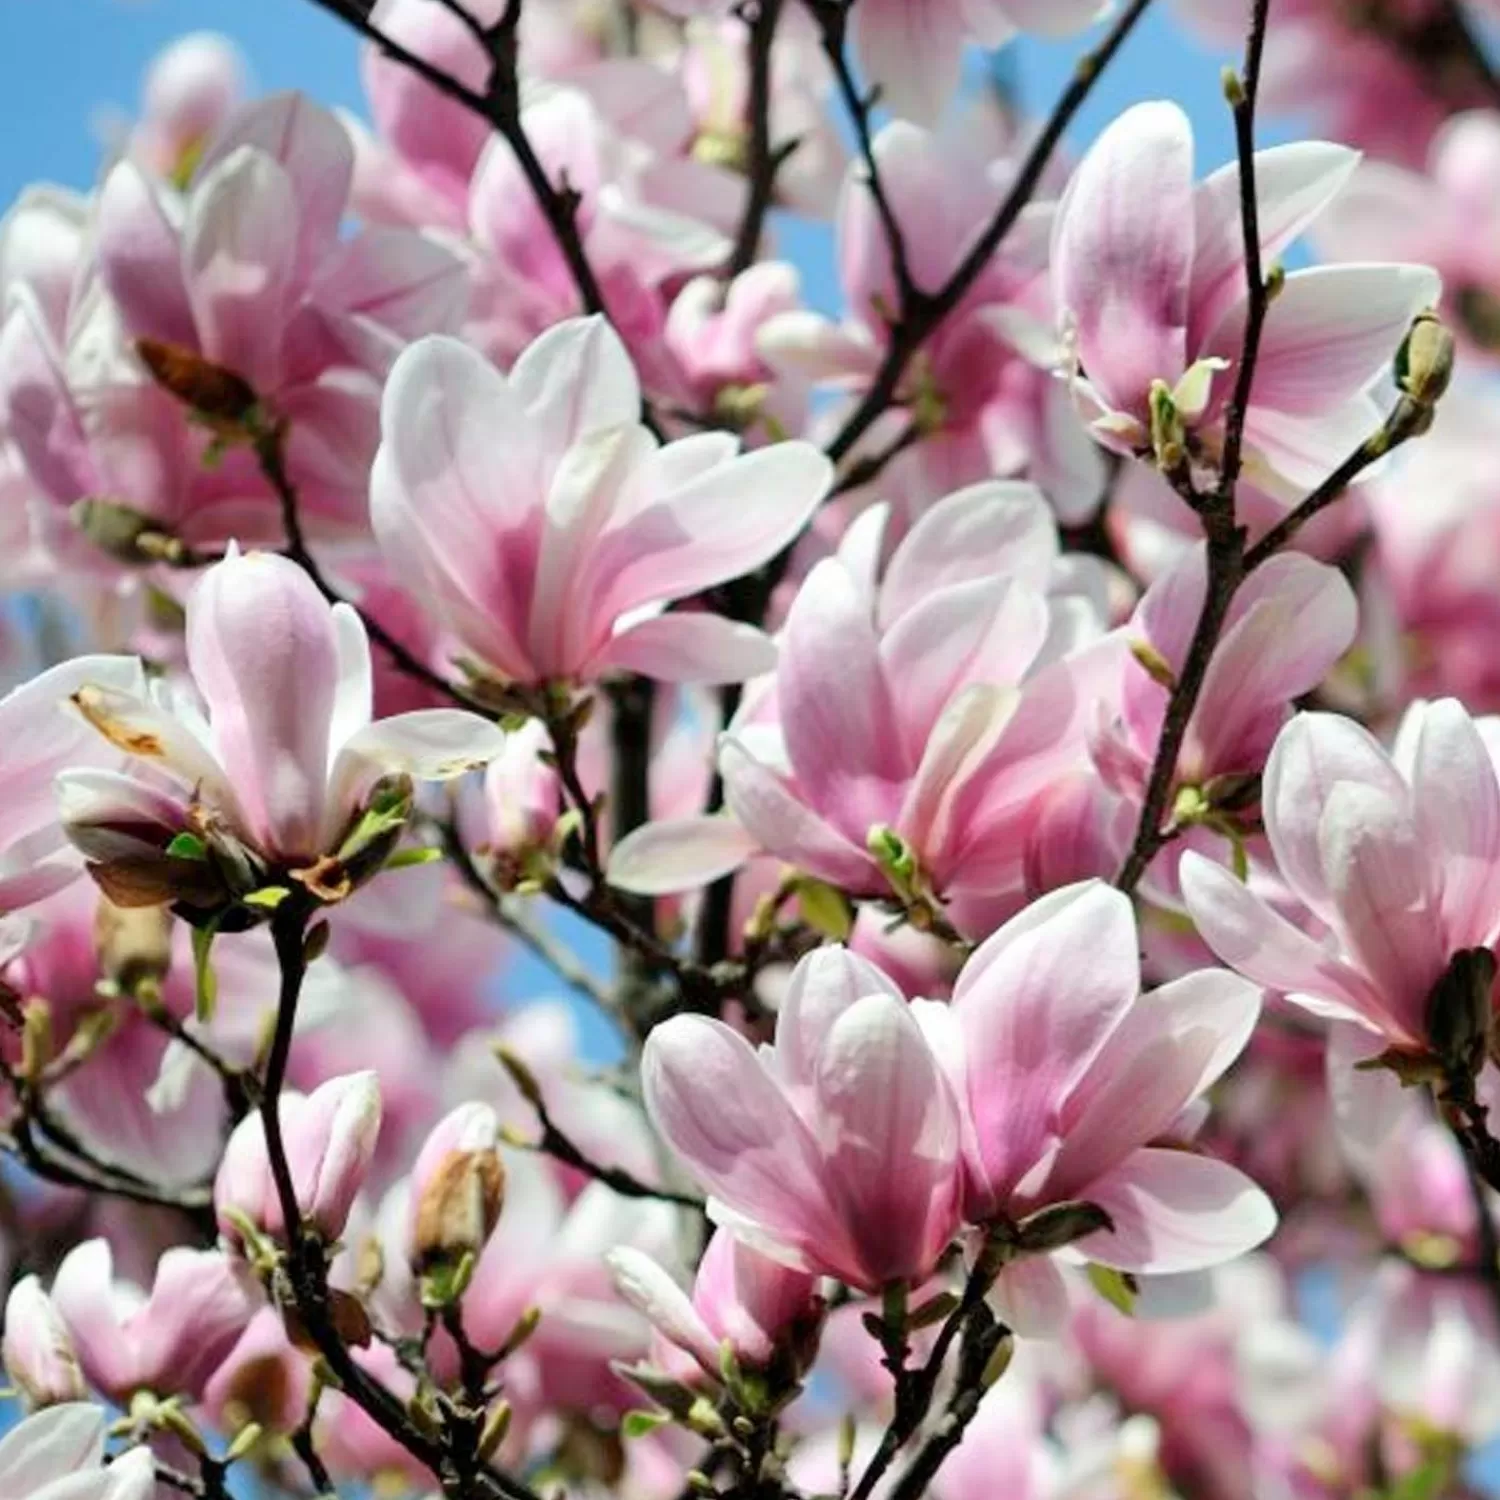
287,756
937,706
330,1139
712,330
1447,217
37,1351
265,1379
1395,855
58,1454
167,1342
1148,275
981,393
1071,1078
757,1307
191,89
41,739
251,274
837,1149
546,527
1288,624
646,218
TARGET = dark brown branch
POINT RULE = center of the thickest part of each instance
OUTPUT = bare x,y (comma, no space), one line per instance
765,156
1225,539
500,106
270,453
928,309
306,1265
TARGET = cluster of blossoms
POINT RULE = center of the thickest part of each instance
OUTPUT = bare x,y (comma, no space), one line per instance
616,883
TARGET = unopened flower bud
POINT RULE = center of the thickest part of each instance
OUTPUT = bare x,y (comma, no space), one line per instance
523,801
134,944
1458,1011
37,1351
457,1190
330,1138
215,393
1424,363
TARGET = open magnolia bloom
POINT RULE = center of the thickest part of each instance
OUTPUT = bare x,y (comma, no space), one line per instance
546,527
1148,271
1397,856
287,773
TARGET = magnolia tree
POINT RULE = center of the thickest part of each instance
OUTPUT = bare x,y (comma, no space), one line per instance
1010,764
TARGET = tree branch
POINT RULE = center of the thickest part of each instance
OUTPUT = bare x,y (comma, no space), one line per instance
765,157
1225,539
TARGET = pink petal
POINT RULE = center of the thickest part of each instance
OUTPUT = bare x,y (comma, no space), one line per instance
890,1126
682,854
1296,618
1033,1022
1331,332
313,150
1032,1298
837,712
823,986
690,647
1250,937
140,258
914,50
238,249
1171,1046
1380,880
452,496
709,525
1457,805
777,817
1293,184
1002,528
715,1106
262,648
1311,756
1123,253
1174,1212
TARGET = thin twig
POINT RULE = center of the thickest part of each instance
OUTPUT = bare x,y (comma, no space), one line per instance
270,453
765,157
500,107
929,309
1225,565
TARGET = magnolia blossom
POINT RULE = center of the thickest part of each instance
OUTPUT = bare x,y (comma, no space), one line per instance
37,1352
1287,625
192,87
1397,856
330,1138
756,1307
250,273
167,1342
59,1455
287,756
933,708
1077,1086
1148,272
548,529
837,1149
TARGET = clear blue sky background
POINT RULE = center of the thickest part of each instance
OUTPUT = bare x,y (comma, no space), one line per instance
64,64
